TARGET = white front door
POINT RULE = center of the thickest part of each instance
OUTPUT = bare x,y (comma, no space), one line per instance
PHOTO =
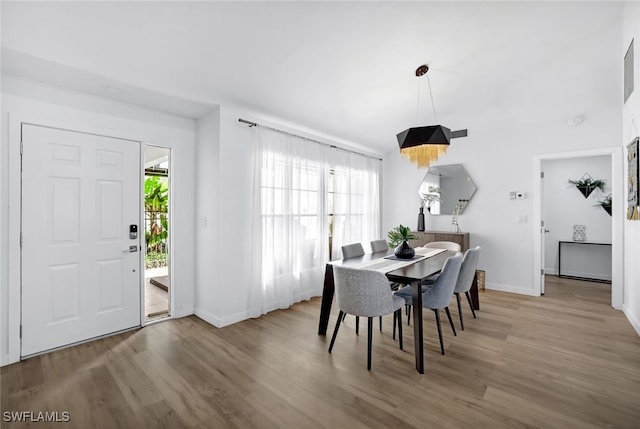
80,268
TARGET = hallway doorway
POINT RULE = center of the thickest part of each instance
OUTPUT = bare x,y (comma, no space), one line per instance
614,154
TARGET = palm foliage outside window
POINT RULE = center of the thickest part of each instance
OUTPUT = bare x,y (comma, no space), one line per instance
156,209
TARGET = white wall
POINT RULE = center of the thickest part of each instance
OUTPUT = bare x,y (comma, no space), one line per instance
630,130
565,206
499,155
24,100
208,188
224,239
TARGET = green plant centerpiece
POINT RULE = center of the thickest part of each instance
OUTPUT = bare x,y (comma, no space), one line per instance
588,184
398,240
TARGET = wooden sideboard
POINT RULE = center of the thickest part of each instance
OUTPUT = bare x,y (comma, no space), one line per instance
462,238
424,237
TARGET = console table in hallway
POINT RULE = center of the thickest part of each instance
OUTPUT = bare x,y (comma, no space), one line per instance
566,245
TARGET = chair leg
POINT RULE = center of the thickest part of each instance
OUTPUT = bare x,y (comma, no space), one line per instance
344,316
357,325
439,329
369,341
395,315
335,331
399,320
459,309
380,323
470,304
453,328
408,307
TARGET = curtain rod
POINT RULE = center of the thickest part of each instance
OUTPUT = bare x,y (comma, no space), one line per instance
254,124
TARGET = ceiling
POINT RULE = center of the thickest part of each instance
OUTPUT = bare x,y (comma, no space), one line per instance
344,69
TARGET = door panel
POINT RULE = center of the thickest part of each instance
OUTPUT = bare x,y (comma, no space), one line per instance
80,193
110,281
65,292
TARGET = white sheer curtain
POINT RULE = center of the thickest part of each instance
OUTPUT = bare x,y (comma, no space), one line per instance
355,189
290,227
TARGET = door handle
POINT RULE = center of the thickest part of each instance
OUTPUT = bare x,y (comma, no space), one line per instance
131,249
546,230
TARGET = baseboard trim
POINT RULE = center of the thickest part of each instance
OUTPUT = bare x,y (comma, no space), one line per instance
634,322
510,289
8,359
207,317
183,313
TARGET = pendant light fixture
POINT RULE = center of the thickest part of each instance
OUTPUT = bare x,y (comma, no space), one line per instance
423,145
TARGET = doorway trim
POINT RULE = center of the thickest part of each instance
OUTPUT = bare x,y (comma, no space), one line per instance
617,224
143,303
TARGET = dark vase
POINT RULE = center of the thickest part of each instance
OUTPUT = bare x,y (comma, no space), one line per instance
404,251
421,219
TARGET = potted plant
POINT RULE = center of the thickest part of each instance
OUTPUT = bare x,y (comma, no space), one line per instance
398,239
606,204
587,184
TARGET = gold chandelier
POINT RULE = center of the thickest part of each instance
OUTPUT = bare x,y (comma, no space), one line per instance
423,145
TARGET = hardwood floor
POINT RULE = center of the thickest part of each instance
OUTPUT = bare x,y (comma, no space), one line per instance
565,360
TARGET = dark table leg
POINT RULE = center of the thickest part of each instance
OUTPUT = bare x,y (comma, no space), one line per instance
416,293
327,299
475,300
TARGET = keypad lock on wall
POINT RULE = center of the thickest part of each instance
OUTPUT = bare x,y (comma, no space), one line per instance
133,232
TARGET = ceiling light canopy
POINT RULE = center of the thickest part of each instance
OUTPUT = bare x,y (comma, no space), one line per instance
423,145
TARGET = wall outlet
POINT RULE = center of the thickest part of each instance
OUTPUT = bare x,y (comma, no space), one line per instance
522,219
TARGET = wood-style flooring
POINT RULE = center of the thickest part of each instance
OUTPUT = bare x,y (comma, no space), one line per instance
565,360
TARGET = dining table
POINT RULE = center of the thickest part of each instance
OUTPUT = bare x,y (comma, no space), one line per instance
412,273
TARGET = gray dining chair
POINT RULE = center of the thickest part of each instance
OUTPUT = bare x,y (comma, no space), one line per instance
439,294
352,250
379,245
355,250
382,246
465,279
448,245
365,293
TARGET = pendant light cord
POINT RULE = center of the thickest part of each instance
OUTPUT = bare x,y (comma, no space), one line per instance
422,71
435,119
418,104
